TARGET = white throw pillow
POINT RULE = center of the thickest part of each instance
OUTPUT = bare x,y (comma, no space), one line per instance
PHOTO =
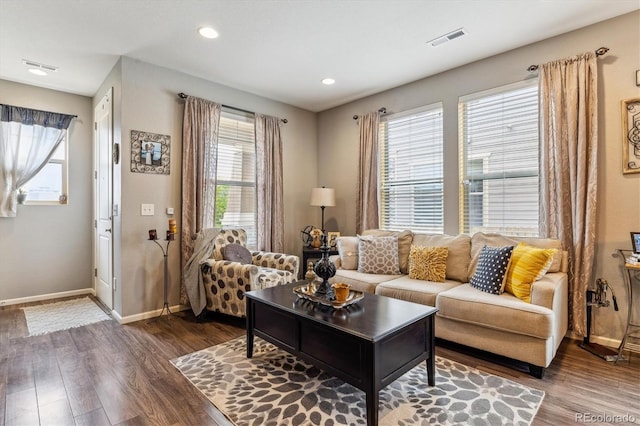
348,251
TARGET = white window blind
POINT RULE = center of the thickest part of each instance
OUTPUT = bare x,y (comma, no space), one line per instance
236,174
411,170
499,160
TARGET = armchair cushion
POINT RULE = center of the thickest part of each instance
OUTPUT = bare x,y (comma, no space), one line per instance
225,237
237,253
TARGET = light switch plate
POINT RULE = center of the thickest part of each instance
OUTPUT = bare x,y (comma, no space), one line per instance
169,211
147,209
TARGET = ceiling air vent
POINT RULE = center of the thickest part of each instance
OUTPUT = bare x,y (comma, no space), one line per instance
34,64
447,37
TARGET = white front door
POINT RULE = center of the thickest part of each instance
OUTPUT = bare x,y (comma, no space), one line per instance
104,199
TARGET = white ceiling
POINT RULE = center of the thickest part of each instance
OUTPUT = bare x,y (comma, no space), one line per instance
276,48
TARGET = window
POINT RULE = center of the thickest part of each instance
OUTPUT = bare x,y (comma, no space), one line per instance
499,160
236,174
411,170
49,186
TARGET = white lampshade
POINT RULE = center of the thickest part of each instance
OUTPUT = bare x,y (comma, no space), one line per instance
323,197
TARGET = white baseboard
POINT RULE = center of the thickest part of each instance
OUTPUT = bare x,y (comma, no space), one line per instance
47,296
611,343
146,315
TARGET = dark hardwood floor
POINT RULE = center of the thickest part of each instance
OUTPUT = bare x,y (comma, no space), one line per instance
112,374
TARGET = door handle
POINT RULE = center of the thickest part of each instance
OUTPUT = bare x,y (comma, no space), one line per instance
107,230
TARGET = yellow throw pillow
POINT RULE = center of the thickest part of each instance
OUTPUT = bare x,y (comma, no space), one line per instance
428,263
528,264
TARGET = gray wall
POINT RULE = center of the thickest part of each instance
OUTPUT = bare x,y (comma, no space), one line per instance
47,248
619,195
149,103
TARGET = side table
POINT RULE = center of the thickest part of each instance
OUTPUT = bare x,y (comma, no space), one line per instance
165,254
631,274
309,253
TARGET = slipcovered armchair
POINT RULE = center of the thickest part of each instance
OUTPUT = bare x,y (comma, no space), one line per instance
228,274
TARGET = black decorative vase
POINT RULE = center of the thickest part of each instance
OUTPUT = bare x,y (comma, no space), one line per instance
325,269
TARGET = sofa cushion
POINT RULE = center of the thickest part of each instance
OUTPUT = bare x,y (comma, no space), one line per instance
404,245
378,255
458,256
528,264
428,263
348,252
480,239
501,312
360,281
417,291
491,271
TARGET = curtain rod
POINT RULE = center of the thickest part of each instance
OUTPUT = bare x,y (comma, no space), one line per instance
40,110
601,51
182,95
381,110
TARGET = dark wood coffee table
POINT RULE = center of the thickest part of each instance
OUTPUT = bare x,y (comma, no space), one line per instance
369,344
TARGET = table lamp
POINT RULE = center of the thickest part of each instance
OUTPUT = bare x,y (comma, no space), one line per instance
323,197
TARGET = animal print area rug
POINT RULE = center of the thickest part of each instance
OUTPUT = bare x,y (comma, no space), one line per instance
275,388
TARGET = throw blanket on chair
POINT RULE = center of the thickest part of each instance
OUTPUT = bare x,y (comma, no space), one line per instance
193,282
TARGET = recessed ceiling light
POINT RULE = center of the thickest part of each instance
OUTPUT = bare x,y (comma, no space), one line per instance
328,81
37,71
208,32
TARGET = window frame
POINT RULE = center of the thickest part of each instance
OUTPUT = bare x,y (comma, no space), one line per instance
63,198
464,181
237,115
383,165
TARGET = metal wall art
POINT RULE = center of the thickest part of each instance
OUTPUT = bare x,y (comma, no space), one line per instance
631,135
150,152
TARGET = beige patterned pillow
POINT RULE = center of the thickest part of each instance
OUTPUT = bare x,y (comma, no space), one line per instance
378,255
404,244
428,263
348,251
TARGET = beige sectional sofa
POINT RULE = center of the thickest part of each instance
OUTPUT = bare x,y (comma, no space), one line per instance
502,324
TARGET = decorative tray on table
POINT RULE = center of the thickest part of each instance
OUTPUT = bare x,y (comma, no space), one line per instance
302,291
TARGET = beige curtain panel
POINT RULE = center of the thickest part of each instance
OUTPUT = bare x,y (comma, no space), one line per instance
569,169
199,162
269,189
367,197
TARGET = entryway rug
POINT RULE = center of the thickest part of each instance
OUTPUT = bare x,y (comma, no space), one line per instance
275,388
50,317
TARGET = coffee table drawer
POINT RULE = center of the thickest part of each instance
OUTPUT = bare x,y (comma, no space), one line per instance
276,324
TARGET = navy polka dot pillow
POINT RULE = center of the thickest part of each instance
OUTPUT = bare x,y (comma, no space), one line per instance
492,269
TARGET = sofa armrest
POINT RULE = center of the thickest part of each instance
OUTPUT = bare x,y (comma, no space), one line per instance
548,288
281,261
552,292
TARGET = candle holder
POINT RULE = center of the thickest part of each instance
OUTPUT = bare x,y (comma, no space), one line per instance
325,269
165,254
